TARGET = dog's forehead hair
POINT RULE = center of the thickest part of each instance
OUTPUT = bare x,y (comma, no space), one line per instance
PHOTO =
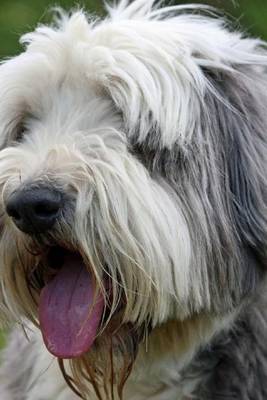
66,111
121,58
44,99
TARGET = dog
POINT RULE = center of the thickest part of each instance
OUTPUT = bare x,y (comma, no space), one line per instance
133,187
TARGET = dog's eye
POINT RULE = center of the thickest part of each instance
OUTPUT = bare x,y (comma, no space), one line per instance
19,134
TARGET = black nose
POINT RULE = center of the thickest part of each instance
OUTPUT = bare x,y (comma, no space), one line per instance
35,210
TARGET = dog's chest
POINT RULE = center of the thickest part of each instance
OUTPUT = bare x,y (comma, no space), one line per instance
156,392
160,381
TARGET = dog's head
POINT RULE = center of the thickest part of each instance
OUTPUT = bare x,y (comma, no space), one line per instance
132,178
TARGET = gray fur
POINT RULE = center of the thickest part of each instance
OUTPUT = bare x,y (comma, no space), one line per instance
220,179
234,365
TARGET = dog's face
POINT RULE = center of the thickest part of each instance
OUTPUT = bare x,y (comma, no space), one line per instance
129,196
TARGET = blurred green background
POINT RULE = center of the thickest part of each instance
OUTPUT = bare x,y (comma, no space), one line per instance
19,16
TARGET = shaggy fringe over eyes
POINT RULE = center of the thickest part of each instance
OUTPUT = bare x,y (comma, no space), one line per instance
114,54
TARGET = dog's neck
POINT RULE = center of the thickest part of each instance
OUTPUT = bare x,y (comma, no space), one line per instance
160,369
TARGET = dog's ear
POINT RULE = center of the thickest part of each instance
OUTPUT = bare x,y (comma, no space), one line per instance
238,110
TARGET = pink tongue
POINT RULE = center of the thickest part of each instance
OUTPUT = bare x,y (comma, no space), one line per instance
69,313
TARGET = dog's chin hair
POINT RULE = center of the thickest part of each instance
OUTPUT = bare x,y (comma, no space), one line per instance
107,366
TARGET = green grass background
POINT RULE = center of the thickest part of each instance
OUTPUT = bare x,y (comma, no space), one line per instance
20,16
2,340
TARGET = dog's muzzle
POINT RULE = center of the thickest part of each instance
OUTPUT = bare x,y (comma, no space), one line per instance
35,209
71,306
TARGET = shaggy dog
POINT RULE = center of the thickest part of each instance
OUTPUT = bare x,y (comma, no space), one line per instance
133,209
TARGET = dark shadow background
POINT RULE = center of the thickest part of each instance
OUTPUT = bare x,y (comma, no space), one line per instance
20,16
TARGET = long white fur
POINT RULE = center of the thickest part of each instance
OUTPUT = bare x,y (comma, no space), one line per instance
78,89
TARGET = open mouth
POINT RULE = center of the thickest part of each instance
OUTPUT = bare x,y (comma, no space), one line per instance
70,308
